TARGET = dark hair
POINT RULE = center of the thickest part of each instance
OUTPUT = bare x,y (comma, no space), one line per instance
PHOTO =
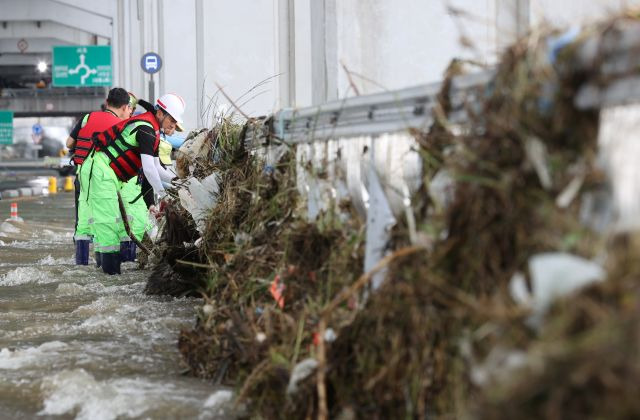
117,97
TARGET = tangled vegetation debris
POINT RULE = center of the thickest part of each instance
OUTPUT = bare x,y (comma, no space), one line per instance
444,336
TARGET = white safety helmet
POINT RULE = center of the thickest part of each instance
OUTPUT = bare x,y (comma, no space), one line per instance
173,105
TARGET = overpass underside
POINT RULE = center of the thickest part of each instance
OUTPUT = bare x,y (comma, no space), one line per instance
52,102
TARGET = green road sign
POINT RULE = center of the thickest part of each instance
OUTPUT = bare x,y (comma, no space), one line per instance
6,127
82,65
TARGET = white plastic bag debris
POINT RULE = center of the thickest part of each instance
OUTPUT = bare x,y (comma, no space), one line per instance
539,158
195,146
596,210
207,309
330,335
570,192
300,372
8,227
498,366
199,197
553,275
442,189
241,238
152,228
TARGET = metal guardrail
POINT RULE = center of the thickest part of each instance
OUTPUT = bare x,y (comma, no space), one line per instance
612,61
608,62
378,113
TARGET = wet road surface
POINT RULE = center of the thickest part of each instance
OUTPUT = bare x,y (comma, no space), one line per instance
76,343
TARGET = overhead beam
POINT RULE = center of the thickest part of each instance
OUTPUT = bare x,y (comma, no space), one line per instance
26,30
23,59
105,9
48,10
52,105
19,71
35,45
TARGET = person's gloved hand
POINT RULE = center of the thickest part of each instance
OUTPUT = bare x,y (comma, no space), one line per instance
162,205
160,196
157,211
153,211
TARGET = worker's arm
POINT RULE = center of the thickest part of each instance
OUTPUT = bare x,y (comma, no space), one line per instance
73,136
151,173
166,175
146,138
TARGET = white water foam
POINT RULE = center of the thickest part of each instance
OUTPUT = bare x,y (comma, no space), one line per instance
33,244
72,390
25,275
219,405
75,273
8,228
42,355
218,399
49,260
75,289
143,322
78,391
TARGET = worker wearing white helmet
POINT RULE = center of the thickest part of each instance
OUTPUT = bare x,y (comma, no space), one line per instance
120,153
137,193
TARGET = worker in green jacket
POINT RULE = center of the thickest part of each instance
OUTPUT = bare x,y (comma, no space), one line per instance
138,217
136,206
119,106
120,153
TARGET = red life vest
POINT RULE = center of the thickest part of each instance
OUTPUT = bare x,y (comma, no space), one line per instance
95,122
124,153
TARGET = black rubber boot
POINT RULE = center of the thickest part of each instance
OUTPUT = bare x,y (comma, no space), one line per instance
127,251
98,256
82,252
111,262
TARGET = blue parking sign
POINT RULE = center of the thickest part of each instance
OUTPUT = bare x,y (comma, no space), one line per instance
37,129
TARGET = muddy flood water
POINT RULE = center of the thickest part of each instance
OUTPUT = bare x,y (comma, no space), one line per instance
76,343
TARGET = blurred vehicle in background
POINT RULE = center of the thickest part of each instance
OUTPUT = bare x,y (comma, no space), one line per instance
40,140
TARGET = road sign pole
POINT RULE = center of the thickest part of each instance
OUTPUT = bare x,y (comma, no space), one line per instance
151,89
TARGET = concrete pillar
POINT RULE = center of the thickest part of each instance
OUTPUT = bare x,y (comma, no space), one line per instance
200,88
286,48
159,29
324,51
512,21
117,45
141,46
303,84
